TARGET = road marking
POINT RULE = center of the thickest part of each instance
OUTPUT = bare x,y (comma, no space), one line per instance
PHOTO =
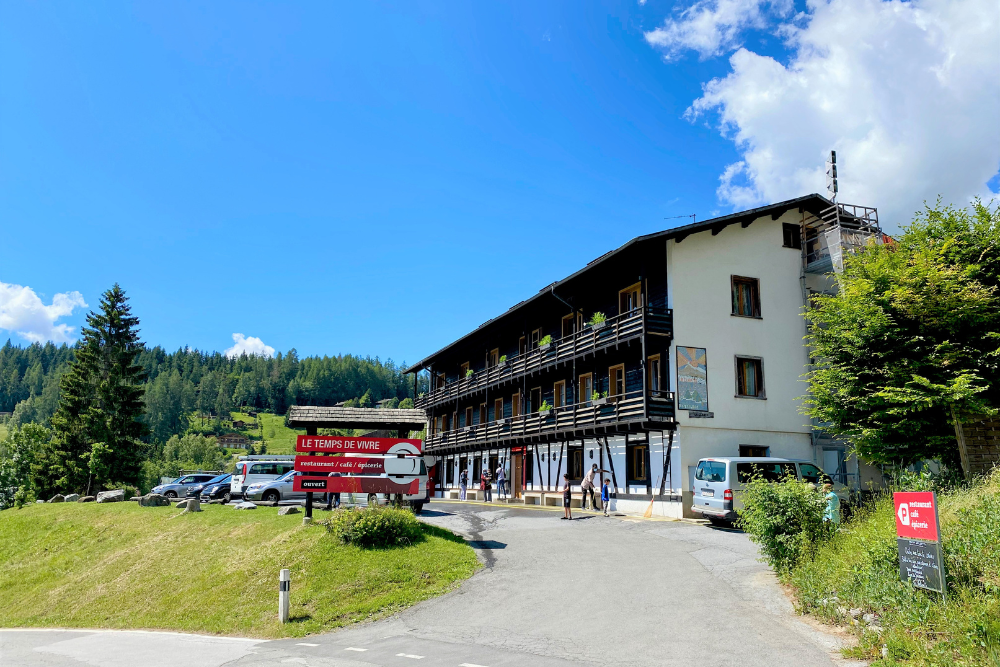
351,648
409,655
470,664
304,644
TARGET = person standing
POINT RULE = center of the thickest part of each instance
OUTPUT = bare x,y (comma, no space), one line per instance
333,499
501,481
832,513
588,485
463,483
487,486
567,498
606,495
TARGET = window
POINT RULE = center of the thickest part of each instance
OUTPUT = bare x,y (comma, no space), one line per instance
711,471
574,467
616,381
812,474
628,299
477,469
449,471
439,381
445,423
653,373
494,464
753,450
515,405
791,236
771,472
571,324
462,370
746,297
534,399
559,394
536,335
636,461
493,358
468,416
482,413
749,377
498,409
522,345
586,388
529,467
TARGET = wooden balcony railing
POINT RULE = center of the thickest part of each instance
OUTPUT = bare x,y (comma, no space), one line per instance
630,407
613,331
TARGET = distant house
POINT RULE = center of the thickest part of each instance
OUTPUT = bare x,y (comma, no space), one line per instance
232,440
239,424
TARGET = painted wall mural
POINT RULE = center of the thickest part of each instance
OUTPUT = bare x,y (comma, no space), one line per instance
692,378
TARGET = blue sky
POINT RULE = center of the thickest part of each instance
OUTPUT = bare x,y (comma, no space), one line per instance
364,178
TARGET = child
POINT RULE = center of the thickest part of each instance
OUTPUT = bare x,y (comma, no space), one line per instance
606,495
566,499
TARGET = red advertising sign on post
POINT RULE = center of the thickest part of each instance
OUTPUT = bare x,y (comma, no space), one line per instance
347,445
916,515
356,485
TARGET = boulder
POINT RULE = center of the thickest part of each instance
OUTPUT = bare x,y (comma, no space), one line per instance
154,500
72,498
39,502
116,496
86,499
181,505
245,506
58,498
290,509
192,505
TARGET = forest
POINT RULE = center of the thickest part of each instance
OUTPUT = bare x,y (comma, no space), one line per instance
187,382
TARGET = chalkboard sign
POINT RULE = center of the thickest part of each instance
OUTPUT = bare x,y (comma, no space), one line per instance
920,562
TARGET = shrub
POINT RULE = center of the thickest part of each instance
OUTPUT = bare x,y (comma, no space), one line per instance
375,527
785,519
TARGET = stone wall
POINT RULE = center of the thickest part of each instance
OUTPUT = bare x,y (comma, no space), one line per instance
982,439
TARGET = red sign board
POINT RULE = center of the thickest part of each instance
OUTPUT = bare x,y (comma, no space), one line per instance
347,445
348,465
916,515
356,485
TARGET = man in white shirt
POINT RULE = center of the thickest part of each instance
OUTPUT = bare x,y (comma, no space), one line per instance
588,485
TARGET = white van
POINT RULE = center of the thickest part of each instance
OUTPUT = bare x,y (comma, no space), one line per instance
258,468
718,482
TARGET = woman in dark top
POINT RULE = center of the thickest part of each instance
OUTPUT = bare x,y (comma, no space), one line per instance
567,496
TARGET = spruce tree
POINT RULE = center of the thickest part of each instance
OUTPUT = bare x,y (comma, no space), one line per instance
97,428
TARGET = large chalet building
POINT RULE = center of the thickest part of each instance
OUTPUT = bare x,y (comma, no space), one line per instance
678,345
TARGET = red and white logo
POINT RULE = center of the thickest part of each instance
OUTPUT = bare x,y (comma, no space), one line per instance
916,515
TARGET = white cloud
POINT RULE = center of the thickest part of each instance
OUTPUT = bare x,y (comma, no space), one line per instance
712,27
907,93
22,311
249,346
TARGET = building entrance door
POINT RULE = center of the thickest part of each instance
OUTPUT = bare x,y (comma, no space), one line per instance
516,474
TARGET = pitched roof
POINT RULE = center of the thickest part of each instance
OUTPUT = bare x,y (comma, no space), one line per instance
813,203
341,417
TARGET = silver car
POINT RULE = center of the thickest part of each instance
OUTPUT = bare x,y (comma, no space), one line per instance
275,489
179,487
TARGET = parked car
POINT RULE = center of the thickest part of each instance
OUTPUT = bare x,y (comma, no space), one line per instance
258,468
180,486
274,490
718,482
197,490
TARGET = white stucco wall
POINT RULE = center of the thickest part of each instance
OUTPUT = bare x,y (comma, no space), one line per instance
699,279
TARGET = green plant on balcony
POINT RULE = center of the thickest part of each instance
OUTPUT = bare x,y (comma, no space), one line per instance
469,372
546,340
597,320
503,359
595,396
544,408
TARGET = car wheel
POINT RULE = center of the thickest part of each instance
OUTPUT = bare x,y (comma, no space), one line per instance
170,494
372,499
417,508
226,497
719,523
270,497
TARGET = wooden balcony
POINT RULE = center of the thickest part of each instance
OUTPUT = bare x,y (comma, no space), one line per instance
616,414
613,331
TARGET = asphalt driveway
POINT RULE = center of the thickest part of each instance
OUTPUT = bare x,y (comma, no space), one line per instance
596,590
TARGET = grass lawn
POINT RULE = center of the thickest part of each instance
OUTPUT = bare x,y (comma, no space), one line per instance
124,566
283,441
3,432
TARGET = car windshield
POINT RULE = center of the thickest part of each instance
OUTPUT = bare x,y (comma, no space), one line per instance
217,479
287,476
711,471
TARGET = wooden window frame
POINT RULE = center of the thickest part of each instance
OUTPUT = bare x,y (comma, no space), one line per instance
759,361
515,405
754,296
533,407
637,288
585,396
643,449
441,380
556,401
787,227
497,414
536,335
651,375
493,357
615,397
469,416
483,414
570,451
577,321
463,369
522,345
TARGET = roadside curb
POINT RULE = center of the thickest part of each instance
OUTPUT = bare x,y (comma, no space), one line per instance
615,515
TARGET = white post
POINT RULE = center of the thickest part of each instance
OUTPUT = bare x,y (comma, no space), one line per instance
284,590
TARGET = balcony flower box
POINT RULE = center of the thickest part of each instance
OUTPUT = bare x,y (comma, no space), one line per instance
544,413
468,429
502,421
545,347
599,401
597,326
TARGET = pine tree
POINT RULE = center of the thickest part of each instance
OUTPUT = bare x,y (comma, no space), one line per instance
98,428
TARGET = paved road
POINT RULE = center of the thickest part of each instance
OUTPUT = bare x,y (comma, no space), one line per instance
595,590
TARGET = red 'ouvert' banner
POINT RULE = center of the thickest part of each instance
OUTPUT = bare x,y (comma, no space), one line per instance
356,485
